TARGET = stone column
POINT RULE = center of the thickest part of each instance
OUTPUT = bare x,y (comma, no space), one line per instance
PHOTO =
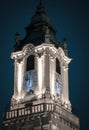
40,70
18,80
52,76
47,74
65,85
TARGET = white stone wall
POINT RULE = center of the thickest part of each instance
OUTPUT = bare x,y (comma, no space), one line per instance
45,68
40,70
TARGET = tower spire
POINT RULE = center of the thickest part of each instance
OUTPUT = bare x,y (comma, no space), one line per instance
40,8
40,2
44,30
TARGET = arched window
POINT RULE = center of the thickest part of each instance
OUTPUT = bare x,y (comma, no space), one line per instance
58,68
30,63
30,75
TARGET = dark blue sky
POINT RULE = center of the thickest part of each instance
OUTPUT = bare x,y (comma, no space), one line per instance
70,18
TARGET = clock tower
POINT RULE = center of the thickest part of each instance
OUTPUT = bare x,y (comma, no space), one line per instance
40,98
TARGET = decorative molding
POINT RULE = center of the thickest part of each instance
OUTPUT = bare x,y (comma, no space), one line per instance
30,49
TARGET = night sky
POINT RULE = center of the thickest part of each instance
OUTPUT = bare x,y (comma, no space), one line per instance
70,18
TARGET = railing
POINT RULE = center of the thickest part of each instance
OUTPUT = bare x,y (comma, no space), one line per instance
28,110
40,108
58,114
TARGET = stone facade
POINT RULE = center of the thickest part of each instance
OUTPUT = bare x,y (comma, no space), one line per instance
45,68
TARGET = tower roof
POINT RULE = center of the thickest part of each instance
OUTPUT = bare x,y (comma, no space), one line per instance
37,29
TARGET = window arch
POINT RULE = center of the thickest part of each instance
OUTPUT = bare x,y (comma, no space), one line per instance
58,68
30,76
30,63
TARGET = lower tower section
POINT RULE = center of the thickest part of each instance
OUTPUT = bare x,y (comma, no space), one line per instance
42,114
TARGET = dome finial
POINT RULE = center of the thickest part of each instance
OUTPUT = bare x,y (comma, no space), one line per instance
40,8
47,35
65,46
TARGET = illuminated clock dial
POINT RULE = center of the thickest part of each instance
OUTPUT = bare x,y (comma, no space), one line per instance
58,84
30,80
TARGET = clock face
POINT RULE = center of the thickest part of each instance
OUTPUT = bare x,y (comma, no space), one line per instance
30,80
58,84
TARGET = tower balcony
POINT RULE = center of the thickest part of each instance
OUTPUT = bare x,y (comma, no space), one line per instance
43,113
